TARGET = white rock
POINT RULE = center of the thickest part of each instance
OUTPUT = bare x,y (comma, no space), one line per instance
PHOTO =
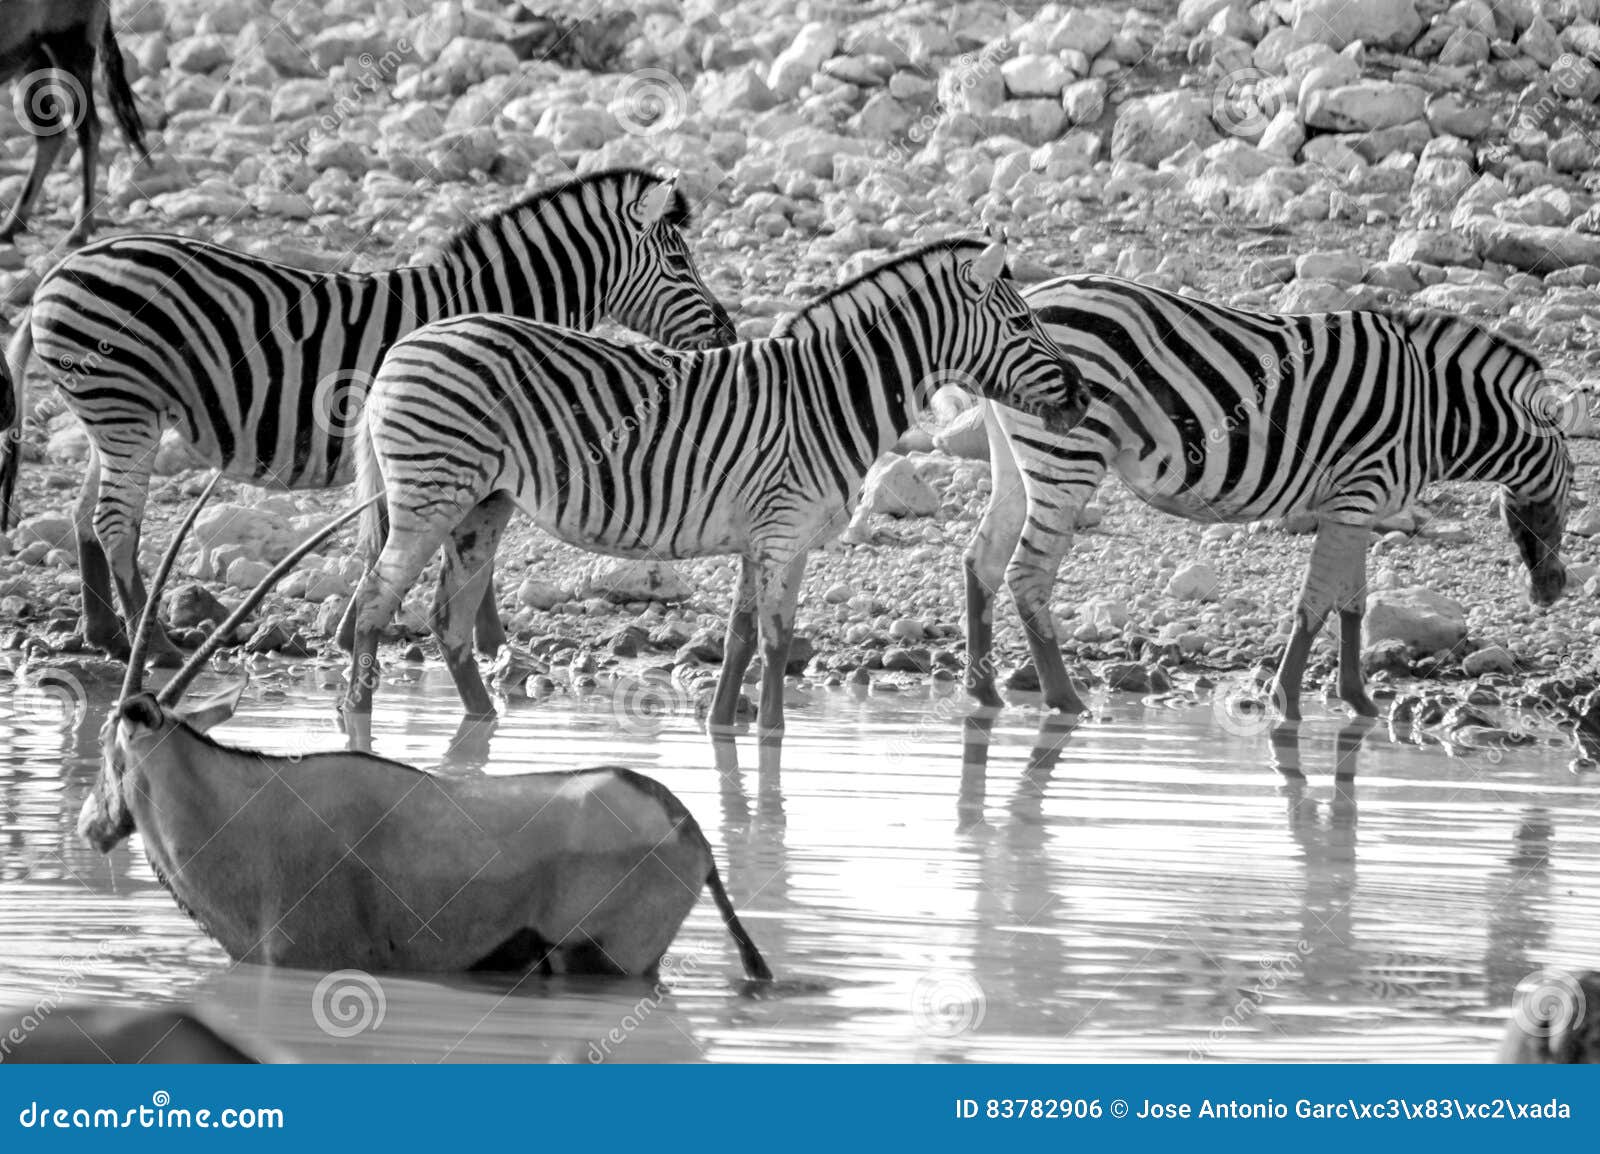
245,573
1388,24
796,64
1489,659
1363,107
1343,268
1428,622
638,581
1196,581
1532,248
1087,32
54,530
1035,75
259,533
894,487
544,595
1150,129
1084,100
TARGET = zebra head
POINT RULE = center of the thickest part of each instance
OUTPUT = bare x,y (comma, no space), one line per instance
657,290
1536,526
1019,364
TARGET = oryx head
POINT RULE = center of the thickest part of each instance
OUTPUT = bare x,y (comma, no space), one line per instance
146,731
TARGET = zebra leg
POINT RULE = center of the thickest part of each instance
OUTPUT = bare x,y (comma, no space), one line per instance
986,559
1335,579
490,630
463,585
737,648
778,595
376,599
101,626
124,492
1031,577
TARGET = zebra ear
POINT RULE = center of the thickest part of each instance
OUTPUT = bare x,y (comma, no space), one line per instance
988,266
655,201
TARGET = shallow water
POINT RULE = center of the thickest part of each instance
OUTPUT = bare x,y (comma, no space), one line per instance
1143,886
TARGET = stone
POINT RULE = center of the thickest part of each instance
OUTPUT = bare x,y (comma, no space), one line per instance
1450,114
1084,101
1363,107
188,605
638,581
1338,267
965,436
1196,581
1432,246
1133,677
1152,128
1426,621
52,530
1033,75
794,67
1387,24
1032,121
1088,32
1571,152
1489,659
245,573
895,488
1532,248
1392,657
260,534
739,90
911,659
541,595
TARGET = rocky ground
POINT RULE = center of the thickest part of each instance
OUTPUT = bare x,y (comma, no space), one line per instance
1296,155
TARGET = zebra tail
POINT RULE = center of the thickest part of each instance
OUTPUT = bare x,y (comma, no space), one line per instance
13,395
123,105
373,528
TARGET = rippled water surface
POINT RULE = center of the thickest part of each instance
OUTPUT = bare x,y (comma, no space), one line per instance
1143,886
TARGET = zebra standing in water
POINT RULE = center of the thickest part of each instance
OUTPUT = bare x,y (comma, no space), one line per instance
264,366
1215,414
758,450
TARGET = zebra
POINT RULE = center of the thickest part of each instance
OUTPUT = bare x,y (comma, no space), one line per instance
1216,414
757,450
263,366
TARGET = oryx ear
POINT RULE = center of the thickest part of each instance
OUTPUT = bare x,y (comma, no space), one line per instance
213,710
656,200
988,265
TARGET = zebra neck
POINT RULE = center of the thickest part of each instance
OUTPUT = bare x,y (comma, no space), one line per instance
474,279
873,382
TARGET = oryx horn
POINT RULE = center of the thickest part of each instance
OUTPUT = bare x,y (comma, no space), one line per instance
172,691
133,680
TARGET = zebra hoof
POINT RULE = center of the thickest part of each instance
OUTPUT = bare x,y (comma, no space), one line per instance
986,695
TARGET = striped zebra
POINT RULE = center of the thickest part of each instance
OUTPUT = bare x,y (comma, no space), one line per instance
263,367
1215,414
758,450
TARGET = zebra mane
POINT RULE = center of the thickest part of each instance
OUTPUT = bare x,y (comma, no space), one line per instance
822,303
1419,320
678,213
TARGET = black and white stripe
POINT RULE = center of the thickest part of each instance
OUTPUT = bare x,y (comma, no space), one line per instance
263,367
758,450
1216,414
